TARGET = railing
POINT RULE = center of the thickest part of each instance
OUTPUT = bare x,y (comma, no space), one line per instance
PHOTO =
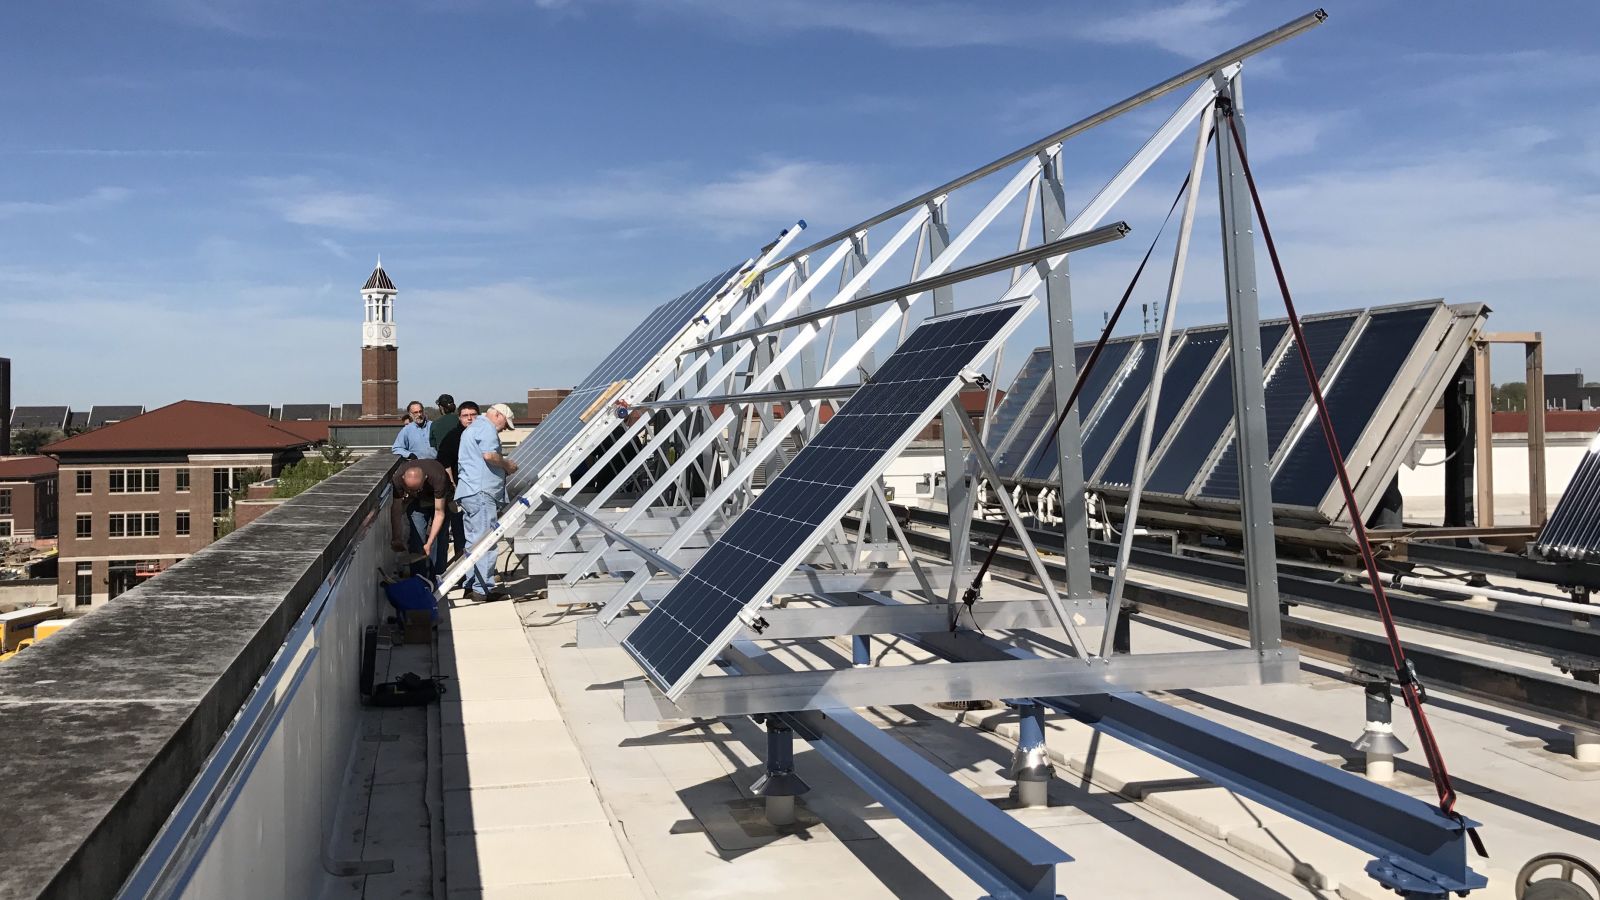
217,749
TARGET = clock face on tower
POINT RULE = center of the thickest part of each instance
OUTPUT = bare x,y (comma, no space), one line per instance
388,331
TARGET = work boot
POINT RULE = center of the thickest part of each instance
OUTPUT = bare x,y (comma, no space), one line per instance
476,597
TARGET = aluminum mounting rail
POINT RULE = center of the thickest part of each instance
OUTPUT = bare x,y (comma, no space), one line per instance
835,392
648,554
1105,234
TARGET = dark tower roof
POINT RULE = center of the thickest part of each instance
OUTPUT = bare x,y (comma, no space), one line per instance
378,280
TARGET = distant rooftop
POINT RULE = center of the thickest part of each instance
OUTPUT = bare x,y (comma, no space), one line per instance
186,425
39,416
20,468
100,416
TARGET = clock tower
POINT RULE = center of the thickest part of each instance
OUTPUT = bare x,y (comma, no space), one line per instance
380,368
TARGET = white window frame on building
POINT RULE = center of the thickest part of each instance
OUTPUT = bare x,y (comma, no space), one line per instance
181,523
5,501
85,481
83,584
134,525
135,481
181,480
84,527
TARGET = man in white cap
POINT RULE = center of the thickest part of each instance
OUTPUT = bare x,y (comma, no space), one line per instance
481,470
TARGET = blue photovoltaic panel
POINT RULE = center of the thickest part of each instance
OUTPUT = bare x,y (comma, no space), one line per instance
1002,433
1286,394
1184,370
1365,376
1121,396
624,363
701,613
1200,430
1573,531
1094,385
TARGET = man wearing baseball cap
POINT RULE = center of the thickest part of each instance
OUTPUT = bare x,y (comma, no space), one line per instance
481,470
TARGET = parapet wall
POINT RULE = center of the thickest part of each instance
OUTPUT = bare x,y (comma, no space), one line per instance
104,727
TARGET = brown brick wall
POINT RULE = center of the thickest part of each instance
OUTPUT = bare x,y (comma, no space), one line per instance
33,511
380,382
541,401
247,511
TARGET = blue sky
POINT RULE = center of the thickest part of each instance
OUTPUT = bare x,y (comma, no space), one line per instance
193,191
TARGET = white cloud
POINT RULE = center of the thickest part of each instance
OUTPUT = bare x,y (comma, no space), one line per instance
334,247
1192,28
99,198
770,194
301,200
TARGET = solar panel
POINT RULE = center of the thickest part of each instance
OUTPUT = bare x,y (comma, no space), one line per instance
1184,370
626,362
1094,386
1573,531
1122,394
1286,394
1209,416
1305,474
1035,369
1033,410
697,618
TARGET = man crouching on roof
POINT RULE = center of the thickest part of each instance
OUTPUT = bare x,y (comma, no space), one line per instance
422,490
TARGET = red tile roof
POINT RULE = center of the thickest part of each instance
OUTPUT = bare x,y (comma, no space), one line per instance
21,468
188,425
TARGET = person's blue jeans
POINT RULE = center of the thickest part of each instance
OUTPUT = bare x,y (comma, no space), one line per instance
478,512
457,530
421,521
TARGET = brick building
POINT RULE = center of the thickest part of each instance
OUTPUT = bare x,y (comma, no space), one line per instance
27,498
143,493
541,401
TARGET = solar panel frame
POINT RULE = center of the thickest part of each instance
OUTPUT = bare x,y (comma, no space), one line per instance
1346,401
1023,391
627,362
1285,384
1179,386
687,628
1107,374
1208,420
1573,529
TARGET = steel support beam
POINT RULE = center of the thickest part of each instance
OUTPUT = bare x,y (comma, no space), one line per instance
1004,856
799,622
803,581
709,698
1417,848
1244,347
1063,353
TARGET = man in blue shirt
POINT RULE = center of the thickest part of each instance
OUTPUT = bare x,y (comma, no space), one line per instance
412,441
481,471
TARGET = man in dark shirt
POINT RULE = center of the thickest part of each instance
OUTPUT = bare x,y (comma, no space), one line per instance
422,491
446,422
449,451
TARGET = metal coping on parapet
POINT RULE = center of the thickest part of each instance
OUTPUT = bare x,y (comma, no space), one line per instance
1092,238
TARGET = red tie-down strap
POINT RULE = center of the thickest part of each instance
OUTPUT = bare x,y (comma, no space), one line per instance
1405,673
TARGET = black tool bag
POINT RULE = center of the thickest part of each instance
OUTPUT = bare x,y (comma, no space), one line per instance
409,689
